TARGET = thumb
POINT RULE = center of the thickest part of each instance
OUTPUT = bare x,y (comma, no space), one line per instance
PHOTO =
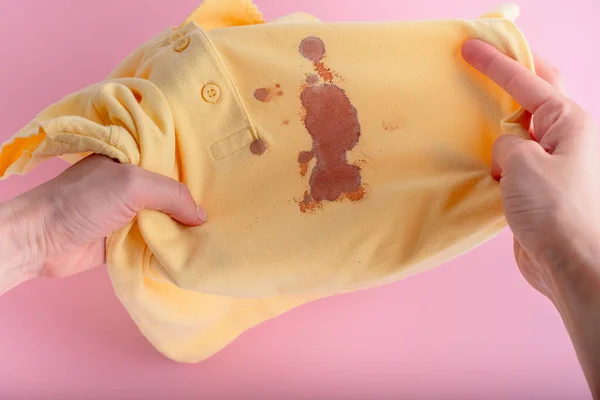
157,192
508,149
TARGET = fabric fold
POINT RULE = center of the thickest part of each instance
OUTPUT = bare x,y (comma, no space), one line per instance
330,157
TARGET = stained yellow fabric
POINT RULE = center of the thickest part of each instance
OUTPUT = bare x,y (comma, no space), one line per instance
231,111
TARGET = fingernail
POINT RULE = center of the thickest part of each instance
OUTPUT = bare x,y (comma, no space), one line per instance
201,213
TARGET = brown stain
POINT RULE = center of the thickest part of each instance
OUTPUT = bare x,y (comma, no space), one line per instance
305,156
392,124
360,163
357,195
312,79
303,159
332,122
285,122
258,147
313,49
267,94
308,204
303,169
324,72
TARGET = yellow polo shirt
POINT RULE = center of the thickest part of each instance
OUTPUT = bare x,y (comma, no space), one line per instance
330,157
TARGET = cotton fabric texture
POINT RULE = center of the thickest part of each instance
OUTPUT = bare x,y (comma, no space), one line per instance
330,157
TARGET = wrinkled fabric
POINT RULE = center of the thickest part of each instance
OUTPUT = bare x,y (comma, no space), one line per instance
330,157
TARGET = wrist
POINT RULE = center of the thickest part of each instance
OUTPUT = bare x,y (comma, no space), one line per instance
571,264
575,293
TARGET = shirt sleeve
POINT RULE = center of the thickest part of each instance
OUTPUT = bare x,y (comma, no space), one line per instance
116,118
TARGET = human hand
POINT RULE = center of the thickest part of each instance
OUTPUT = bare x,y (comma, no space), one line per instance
63,223
550,185
551,194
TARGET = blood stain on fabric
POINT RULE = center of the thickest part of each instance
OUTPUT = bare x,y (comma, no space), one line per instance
305,156
357,195
313,49
258,147
324,72
392,124
332,122
312,79
360,163
266,94
308,204
303,159
303,169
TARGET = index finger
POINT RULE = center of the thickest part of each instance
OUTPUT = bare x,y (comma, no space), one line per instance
529,90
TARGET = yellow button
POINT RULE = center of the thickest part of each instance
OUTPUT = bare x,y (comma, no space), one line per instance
181,44
175,37
211,93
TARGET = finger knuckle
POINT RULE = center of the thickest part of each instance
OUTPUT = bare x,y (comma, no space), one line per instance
566,109
520,152
514,82
530,153
523,154
555,112
488,64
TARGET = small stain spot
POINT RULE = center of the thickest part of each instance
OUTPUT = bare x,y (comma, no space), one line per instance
258,147
308,204
303,169
324,72
312,48
261,94
392,124
312,79
305,156
267,94
303,159
360,163
356,195
286,122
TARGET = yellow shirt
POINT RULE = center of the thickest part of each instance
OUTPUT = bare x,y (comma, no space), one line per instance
330,157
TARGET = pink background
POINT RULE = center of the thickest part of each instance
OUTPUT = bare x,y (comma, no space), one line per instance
469,329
